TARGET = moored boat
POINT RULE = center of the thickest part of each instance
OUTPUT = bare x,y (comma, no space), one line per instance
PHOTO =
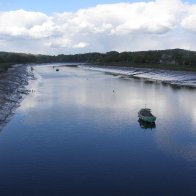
146,115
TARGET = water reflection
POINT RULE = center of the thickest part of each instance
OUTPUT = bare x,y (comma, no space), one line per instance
146,125
75,129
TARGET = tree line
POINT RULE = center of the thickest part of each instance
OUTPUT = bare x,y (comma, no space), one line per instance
170,57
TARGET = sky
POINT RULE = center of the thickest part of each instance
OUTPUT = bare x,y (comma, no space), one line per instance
52,6
69,27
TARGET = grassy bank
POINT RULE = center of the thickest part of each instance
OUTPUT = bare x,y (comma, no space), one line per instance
190,68
5,66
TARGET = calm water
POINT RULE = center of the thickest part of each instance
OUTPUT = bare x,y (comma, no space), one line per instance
74,136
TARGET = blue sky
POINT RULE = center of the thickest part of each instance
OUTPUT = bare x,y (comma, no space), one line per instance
51,6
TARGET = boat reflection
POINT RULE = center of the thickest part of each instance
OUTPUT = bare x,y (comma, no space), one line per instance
146,125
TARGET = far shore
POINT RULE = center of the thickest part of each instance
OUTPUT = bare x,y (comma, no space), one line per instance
5,66
172,77
167,67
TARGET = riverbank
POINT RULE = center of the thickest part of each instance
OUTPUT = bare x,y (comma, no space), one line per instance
5,66
177,78
13,84
163,66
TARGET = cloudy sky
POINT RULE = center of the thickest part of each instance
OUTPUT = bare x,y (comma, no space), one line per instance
55,27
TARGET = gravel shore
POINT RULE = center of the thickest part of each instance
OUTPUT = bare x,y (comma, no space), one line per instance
177,78
12,89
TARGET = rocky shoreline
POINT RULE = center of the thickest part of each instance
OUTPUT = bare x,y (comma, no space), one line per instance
13,84
175,78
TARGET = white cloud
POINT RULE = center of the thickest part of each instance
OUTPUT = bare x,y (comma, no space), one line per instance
18,23
80,45
157,24
189,22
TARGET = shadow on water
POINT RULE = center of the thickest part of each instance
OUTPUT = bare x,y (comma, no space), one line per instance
146,125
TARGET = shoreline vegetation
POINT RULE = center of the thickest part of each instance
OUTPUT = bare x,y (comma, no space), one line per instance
173,59
5,66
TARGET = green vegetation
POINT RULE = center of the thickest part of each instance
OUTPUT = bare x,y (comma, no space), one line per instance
175,59
4,66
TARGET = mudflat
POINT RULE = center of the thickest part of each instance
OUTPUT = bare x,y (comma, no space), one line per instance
12,88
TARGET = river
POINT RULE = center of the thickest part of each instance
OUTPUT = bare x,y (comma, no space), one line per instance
77,133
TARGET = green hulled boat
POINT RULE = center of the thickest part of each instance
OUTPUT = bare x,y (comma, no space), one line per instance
146,115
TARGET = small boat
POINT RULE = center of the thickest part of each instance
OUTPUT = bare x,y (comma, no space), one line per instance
57,69
146,115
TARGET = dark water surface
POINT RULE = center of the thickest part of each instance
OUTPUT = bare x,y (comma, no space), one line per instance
74,136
